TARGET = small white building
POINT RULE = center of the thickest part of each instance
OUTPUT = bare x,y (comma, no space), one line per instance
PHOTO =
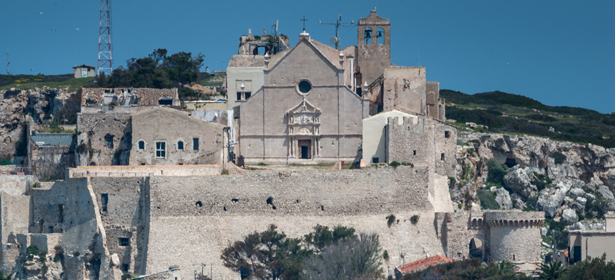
374,135
84,71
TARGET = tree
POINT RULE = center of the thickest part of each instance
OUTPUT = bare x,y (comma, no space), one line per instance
592,268
551,271
350,258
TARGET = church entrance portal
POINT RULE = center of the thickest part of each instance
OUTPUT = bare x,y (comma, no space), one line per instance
305,145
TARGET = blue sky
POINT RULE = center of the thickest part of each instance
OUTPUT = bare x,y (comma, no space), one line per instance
561,53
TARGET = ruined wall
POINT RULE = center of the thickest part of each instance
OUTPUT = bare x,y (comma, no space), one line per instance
16,184
14,216
49,162
446,148
193,224
411,142
104,138
121,217
144,96
405,88
433,97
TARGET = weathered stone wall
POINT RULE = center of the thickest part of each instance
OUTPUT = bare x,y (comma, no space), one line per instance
14,216
144,171
514,236
192,224
104,138
122,218
144,96
49,162
446,148
16,184
411,142
169,126
405,88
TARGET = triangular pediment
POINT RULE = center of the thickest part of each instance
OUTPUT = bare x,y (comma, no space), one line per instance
303,107
313,47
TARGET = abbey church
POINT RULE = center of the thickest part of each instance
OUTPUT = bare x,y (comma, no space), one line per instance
306,104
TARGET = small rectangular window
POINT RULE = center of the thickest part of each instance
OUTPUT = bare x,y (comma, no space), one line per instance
125,267
414,153
161,150
180,145
195,144
239,96
247,95
375,160
104,200
125,242
141,145
442,156
447,134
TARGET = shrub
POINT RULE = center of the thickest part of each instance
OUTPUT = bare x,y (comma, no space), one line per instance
385,255
460,205
390,220
558,157
453,181
224,172
487,200
414,219
496,171
394,164
262,164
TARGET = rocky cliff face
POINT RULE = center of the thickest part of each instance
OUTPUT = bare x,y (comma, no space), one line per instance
40,104
570,182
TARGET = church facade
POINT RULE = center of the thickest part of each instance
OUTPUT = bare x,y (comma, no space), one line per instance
306,111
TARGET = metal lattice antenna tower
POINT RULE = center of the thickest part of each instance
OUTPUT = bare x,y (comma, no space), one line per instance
105,58
337,24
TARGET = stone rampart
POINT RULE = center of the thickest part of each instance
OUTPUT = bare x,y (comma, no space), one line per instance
192,224
144,171
16,184
411,142
515,236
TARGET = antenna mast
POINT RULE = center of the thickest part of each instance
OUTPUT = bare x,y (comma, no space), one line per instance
105,58
337,24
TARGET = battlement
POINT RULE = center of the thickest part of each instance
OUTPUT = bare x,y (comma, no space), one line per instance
514,219
397,122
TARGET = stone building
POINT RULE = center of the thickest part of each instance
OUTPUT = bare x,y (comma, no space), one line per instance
306,110
49,154
493,235
163,136
110,137
129,97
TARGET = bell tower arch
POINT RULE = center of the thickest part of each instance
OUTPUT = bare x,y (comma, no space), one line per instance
374,47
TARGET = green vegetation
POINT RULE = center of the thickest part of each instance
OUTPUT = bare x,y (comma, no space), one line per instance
390,220
414,219
487,200
556,234
530,203
496,172
322,254
516,114
468,269
541,181
33,81
385,255
32,251
157,70
558,157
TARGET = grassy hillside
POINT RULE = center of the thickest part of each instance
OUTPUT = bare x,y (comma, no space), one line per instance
34,81
511,113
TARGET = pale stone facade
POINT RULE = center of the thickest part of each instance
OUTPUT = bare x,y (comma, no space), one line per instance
593,243
306,111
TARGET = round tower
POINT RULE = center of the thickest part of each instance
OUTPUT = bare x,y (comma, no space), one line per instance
514,236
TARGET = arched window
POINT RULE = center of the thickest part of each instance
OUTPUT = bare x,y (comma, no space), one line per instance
141,145
180,145
368,35
380,36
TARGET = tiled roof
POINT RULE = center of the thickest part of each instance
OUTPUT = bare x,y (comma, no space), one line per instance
422,264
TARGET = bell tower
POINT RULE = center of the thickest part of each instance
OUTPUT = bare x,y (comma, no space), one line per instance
374,41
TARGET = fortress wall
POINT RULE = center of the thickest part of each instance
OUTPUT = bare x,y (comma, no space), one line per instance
446,144
14,220
144,171
522,242
16,184
184,233
410,141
